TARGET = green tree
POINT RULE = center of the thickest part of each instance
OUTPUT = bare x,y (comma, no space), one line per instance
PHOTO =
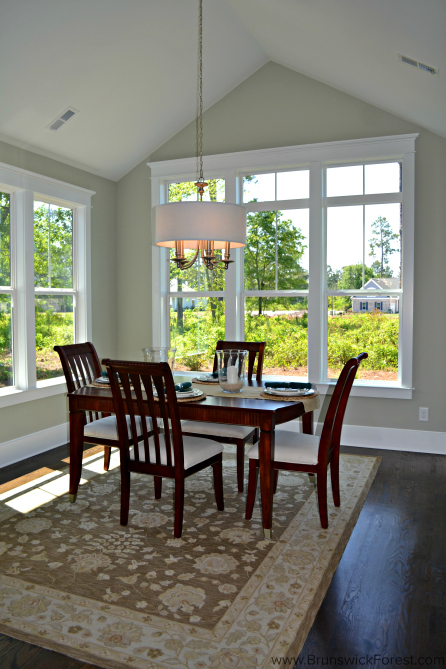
260,254
351,278
53,246
381,272
333,277
381,246
5,240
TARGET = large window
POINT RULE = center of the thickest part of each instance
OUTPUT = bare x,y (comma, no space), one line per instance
276,268
44,279
54,286
327,271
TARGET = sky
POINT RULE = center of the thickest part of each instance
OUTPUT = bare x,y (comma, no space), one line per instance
349,229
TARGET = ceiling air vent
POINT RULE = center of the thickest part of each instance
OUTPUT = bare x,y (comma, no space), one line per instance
418,65
62,119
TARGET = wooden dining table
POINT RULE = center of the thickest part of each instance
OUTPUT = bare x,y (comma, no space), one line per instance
232,409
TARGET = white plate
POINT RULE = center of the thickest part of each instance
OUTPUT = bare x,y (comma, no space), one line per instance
190,393
101,379
209,379
289,392
185,395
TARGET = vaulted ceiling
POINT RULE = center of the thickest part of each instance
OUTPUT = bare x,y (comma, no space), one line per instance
129,67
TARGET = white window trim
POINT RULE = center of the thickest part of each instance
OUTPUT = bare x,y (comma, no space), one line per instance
25,187
316,157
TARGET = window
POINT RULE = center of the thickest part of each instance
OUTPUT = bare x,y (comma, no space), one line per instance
44,280
276,268
55,292
327,270
364,233
196,295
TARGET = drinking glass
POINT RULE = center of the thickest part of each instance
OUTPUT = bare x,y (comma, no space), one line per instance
231,369
160,354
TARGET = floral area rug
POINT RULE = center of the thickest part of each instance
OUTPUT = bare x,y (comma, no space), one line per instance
75,581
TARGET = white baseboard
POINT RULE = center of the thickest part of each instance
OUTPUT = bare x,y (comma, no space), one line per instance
33,444
390,439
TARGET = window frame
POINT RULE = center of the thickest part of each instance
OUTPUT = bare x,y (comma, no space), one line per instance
24,188
317,158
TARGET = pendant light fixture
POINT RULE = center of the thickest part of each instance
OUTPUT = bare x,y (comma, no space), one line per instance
201,226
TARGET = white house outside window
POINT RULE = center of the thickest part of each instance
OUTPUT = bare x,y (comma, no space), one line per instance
326,231
44,280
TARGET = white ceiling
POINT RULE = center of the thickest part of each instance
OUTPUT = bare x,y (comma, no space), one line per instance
129,66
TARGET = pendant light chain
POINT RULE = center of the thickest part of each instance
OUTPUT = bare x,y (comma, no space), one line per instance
206,247
200,88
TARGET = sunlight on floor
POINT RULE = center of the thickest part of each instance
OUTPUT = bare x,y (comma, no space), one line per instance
54,484
30,484
42,495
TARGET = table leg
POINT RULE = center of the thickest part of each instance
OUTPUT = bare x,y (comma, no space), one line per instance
266,459
308,428
307,423
77,422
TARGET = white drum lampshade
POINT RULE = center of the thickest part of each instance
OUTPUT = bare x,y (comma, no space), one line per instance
191,222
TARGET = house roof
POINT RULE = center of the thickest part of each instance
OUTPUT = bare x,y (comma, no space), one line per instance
383,284
129,68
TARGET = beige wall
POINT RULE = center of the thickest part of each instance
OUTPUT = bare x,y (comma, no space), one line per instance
19,420
134,257
279,107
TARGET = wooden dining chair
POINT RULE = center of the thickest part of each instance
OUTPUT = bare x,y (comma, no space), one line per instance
299,452
233,434
81,366
166,454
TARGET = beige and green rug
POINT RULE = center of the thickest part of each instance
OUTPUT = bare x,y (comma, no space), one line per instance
75,581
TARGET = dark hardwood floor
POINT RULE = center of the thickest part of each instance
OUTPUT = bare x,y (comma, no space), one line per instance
387,596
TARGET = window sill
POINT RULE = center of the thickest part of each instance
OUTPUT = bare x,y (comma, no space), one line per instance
383,389
48,388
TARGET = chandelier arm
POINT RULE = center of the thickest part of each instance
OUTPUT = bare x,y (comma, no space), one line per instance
185,265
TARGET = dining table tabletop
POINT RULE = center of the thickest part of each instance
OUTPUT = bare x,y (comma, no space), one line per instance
246,408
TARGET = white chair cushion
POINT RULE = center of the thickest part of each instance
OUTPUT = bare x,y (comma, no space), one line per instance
195,450
107,428
216,429
292,447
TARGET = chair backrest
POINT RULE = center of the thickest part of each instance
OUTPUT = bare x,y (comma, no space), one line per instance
81,366
133,385
255,348
331,431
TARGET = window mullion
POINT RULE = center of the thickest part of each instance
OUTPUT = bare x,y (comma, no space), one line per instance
231,302
405,343
24,307
82,274
317,325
